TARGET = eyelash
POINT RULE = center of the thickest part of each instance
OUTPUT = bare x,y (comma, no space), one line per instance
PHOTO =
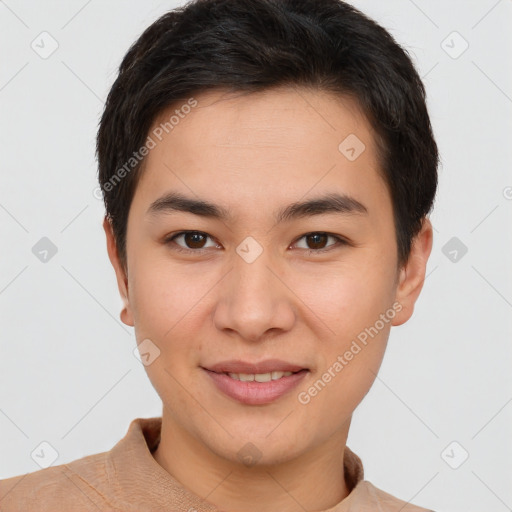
339,242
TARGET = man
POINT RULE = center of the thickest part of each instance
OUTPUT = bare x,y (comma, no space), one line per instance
268,168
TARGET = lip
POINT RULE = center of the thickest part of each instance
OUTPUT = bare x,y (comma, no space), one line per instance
267,366
255,393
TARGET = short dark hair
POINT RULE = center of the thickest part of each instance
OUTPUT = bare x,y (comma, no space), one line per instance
255,45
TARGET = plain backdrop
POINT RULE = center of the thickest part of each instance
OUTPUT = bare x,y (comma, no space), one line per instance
67,370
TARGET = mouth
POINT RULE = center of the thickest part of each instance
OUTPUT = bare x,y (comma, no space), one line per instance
259,377
255,384
237,366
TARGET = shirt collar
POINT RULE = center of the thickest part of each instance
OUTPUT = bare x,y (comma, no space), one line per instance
133,470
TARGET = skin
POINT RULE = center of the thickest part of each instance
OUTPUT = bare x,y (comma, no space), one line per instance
254,154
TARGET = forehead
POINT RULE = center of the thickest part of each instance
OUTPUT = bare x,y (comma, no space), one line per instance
254,147
281,118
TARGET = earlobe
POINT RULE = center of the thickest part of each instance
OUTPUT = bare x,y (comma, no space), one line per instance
126,317
122,280
412,274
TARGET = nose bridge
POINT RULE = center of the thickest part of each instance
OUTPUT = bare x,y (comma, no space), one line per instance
254,279
253,300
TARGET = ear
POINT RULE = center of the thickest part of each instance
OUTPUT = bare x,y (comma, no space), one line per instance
122,280
412,274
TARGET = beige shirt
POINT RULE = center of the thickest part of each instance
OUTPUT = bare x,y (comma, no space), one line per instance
128,478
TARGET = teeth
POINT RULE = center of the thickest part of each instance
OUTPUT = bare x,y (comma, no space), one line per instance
259,377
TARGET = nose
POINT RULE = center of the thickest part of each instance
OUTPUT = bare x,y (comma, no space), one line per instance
254,300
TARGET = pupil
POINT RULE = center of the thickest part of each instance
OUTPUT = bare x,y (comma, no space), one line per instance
195,243
318,238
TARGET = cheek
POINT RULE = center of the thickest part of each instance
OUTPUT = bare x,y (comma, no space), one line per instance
164,298
164,302
353,310
350,352
169,306
336,390
347,298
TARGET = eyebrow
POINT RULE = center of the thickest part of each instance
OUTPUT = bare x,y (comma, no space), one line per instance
330,203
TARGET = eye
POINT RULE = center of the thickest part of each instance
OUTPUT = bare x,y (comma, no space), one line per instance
194,241
318,241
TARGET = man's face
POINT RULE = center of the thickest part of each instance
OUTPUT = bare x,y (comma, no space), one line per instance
252,287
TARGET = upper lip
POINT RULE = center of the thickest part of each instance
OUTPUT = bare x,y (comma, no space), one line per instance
266,366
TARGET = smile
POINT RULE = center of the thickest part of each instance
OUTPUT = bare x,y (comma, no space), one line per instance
256,388
259,377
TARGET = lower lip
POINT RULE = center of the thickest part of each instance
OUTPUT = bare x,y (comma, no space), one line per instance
255,393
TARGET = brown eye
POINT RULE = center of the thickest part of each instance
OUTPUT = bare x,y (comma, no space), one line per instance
194,240
317,240
191,240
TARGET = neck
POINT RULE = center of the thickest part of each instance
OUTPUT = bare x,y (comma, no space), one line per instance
313,481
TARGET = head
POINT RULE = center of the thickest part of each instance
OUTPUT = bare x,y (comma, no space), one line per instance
292,139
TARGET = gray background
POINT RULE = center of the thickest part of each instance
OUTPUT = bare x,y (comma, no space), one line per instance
67,370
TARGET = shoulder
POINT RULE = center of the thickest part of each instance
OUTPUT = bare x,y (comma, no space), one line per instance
74,486
377,499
